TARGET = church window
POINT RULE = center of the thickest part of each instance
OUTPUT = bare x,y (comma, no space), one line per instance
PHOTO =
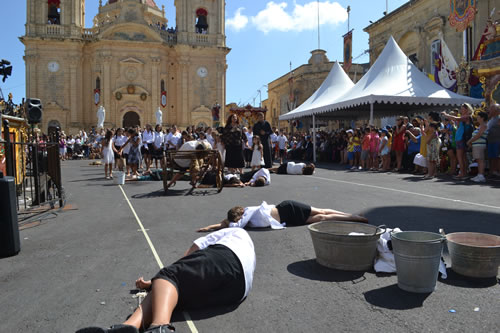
98,83
162,84
435,52
201,21
54,10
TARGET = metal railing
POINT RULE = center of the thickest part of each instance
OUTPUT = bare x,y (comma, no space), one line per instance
36,168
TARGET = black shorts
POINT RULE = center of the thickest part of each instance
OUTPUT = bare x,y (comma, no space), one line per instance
282,152
293,212
282,169
147,151
157,153
117,156
125,156
210,277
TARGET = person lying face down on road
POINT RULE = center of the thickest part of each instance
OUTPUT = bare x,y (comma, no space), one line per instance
216,270
292,168
257,178
286,213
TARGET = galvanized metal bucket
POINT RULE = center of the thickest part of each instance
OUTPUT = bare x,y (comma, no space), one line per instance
335,248
474,254
417,255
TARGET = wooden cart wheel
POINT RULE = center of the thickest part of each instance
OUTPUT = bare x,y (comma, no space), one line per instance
219,170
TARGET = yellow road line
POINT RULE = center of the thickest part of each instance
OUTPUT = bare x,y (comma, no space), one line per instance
187,317
407,192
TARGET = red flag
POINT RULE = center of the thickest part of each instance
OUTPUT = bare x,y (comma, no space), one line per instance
347,51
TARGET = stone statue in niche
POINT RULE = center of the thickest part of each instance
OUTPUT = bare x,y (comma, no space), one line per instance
159,116
101,116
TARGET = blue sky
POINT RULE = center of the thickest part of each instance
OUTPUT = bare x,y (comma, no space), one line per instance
265,36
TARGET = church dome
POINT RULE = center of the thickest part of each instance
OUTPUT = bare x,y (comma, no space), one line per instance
150,3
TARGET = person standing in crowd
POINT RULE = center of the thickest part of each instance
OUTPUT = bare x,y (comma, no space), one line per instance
148,137
494,140
464,127
478,145
158,146
282,145
248,148
356,140
262,128
233,139
62,147
172,139
433,147
220,146
365,150
107,154
124,151
385,151
413,146
118,142
449,142
134,154
209,137
257,158
374,144
398,144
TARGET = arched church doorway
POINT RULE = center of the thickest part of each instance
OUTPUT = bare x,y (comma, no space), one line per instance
131,119
53,126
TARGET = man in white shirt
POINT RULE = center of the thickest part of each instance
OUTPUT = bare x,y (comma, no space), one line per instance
286,213
172,138
292,168
257,178
282,145
216,270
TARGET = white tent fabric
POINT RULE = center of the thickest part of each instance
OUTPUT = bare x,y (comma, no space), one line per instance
393,79
336,83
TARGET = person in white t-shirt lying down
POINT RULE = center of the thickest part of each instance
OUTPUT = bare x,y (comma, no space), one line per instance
257,178
292,168
216,270
286,213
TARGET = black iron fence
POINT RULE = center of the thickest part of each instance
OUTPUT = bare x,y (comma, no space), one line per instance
36,166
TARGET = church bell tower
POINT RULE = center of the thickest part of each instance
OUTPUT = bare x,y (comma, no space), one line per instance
55,18
196,18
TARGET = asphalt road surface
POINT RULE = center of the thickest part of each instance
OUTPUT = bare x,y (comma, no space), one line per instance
78,268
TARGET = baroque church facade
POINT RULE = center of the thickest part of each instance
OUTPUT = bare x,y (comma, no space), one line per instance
130,62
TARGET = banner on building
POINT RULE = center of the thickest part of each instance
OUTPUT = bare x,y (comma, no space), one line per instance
347,51
163,98
445,67
97,96
462,13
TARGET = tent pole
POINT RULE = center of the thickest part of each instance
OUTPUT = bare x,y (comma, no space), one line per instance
371,114
314,138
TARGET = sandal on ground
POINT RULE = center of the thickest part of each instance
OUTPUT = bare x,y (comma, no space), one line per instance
168,328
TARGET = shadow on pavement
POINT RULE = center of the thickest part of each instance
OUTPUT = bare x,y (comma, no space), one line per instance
393,298
310,269
155,194
418,218
205,313
458,280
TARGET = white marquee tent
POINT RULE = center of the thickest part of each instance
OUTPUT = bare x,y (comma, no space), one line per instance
393,84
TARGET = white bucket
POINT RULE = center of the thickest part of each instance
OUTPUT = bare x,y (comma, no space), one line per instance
119,177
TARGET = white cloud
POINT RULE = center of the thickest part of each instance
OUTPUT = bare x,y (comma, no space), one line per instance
302,17
238,22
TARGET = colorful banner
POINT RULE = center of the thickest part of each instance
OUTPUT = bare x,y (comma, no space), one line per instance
462,13
163,98
445,68
347,51
97,96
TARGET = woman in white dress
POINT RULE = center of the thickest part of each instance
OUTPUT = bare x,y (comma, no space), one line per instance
108,157
257,157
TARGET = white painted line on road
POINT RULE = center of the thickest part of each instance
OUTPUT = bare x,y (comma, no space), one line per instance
155,254
407,192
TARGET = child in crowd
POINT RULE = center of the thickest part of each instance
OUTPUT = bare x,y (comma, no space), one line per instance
220,146
374,144
118,141
134,154
385,152
257,156
350,148
158,146
365,150
433,147
478,143
282,145
357,147
107,154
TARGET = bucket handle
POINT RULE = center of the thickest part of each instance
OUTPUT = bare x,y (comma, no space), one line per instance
382,226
